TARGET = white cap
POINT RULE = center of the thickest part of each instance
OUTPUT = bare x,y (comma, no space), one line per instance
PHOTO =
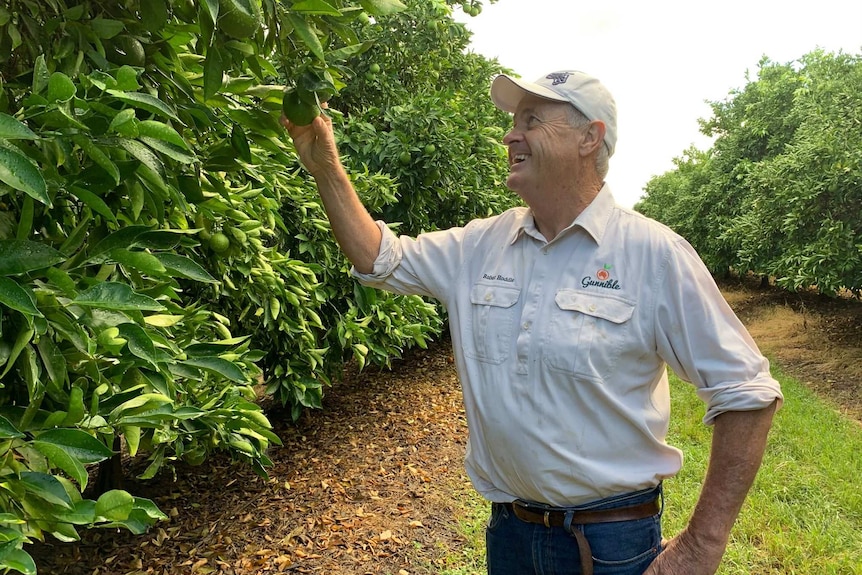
580,90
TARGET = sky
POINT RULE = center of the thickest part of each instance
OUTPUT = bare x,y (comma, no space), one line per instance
662,60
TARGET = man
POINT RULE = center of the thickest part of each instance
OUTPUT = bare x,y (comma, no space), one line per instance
564,316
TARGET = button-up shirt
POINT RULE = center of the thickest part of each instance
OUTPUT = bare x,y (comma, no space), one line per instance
562,346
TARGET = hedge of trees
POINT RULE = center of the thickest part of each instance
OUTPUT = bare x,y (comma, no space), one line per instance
780,192
163,256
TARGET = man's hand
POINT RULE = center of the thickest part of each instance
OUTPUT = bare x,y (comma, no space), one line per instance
683,555
315,144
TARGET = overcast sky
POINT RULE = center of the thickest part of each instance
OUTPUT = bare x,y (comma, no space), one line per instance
661,59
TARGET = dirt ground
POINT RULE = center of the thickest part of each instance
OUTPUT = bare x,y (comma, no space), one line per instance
371,484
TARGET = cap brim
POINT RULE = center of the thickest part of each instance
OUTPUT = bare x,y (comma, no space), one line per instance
507,92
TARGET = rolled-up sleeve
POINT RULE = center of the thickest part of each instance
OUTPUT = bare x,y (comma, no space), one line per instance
388,258
703,341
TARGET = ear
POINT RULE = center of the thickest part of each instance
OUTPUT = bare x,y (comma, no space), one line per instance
594,137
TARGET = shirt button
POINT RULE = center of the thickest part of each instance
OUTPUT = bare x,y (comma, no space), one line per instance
527,325
592,307
488,297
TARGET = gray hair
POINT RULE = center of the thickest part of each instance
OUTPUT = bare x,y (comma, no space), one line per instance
577,120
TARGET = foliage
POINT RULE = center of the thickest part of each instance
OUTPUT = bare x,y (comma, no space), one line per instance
778,193
157,231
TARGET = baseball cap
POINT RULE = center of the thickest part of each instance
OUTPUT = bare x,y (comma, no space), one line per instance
580,90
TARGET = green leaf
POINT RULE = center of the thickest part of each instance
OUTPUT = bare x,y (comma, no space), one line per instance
161,131
145,402
83,513
45,487
185,267
307,35
145,102
58,458
132,435
115,505
239,143
40,74
94,202
139,342
77,443
96,154
116,296
18,171
60,88
146,157
154,14
105,28
12,129
170,150
7,430
20,561
17,297
213,72
53,360
382,7
122,238
218,366
142,261
22,256
212,9
315,7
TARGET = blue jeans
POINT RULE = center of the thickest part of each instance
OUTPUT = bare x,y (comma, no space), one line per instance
515,547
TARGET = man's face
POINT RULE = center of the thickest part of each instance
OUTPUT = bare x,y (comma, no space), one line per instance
543,147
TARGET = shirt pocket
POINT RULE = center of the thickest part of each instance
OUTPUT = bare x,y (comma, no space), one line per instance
586,333
490,329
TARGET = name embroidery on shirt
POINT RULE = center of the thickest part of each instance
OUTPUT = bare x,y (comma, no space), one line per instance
498,278
602,280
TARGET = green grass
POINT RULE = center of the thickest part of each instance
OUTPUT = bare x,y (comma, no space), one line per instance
804,512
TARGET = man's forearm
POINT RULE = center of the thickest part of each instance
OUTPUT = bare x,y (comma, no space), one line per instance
354,228
738,444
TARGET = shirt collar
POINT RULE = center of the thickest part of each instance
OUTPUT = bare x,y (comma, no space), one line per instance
593,220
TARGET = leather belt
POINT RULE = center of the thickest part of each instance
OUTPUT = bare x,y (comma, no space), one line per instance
559,517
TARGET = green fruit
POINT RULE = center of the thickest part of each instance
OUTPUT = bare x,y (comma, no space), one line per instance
404,158
239,19
219,243
374,68
364,18
430,149
298,111
125,51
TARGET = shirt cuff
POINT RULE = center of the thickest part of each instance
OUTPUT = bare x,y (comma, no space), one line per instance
753,395
388,258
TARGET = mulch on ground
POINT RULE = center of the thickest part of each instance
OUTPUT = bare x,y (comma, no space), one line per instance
371,483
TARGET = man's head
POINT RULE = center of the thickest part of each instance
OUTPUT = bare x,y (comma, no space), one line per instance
582,91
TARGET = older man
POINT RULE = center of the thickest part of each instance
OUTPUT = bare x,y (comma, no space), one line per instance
564,316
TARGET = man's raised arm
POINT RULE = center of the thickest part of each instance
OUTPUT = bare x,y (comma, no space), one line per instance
354,228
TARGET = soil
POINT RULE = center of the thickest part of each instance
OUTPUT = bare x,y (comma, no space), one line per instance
373,482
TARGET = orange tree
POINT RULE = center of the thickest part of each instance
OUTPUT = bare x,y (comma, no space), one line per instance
779,192
157,231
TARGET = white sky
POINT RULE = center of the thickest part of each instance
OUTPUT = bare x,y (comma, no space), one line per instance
661,59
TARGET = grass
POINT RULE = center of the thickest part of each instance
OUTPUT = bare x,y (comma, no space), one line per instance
802,516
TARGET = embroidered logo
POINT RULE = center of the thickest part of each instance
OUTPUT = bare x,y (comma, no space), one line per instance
602,280
558,78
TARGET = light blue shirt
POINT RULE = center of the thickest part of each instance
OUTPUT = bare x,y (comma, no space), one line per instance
562,346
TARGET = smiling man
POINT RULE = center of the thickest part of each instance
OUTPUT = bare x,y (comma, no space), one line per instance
565,315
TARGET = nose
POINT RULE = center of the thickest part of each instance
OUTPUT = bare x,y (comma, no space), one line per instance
514,135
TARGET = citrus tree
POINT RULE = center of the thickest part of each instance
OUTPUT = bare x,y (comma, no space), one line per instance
778,193
162,251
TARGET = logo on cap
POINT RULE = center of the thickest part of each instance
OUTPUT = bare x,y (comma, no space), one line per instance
558,78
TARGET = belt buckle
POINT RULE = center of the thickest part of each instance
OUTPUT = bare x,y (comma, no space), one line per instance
547,517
